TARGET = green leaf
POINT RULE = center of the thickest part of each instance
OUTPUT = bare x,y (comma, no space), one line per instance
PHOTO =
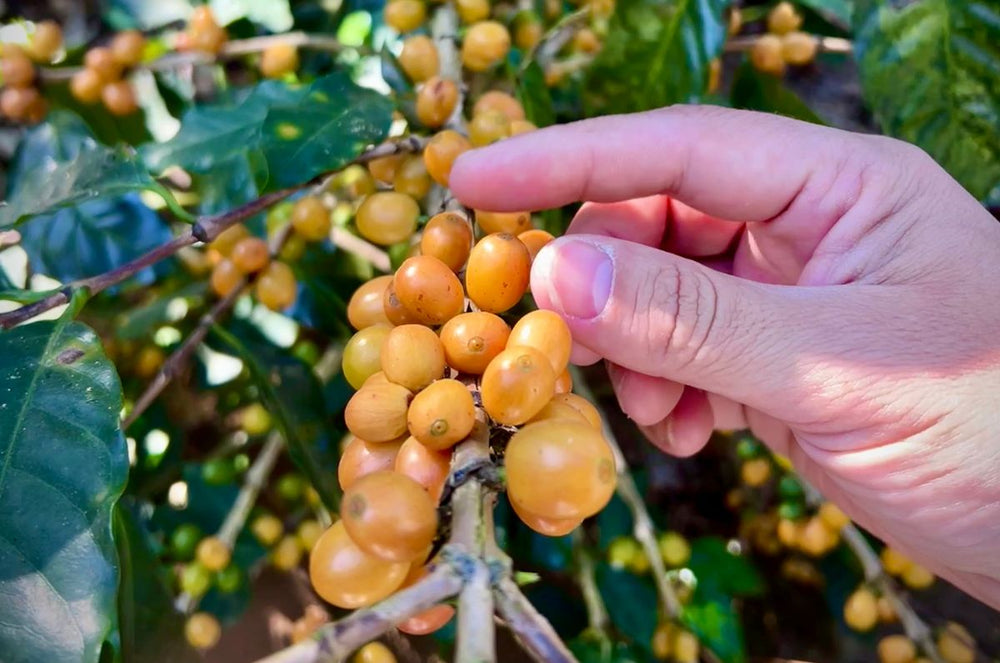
147,15
929,73
334,123
756,91
149,628
631,601
534,95
275,15
712,617
63,465
716,568
836,11
294,396
60,164
296,132
591,647
656,53
93,237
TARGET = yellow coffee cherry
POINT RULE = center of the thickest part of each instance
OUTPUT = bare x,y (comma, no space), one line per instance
886,611
374,652
956,644
816,539
202,630
798,48
311,219
861,610
488,127
917,577
472,11
896,649
663,640
404,15
308,533
622,551
894,562
789,531
267,529
278,60
674,549
255,419
213,553
287,554
784,18
832,516
685,647
755,472
276,287
766,55
485,44
419,58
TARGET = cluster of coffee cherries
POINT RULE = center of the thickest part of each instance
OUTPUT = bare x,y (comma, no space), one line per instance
103,77
625,552
21,101
784,43
953,642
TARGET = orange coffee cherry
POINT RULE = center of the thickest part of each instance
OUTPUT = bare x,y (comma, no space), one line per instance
429,290
516,385
472,340
447,237
442,415
413,357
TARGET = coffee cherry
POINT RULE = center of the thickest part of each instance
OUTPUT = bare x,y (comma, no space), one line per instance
559,469
518,127
278,60
204,33
308,534
202,17
377,412
383,169
546,526
685,647
374,652
832,516
276,287
485,44
16,103
815,539
447,237
413,357
427,467
755,472
798,48
404,15
361,458
735,23
86,86
894,562
499,102
472,340
419,58
226,277
412,178
783,18
250,255
559,410
586,41
861,610
102,62
365,309
488,127
127,47
311,219
387,217
429,290
497,273
390,516
765,55
287,554
917,577
46,41
956,644
516,386
436,99
119,98
528,30
564,382
886,611
363,354
212,553
583,406
674,549
662,641
16,68
184,540
346,576
394,309
267,529
441,151
472,11
896,649
429,620
546,332
202,630
228,238
441,415
195,579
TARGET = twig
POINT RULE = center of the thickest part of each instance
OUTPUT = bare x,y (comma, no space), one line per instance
334,642
824,44
531,628
254,482
642,527
444,31
561,68
555,38
205,229
353,244
914,627
597,613
230,50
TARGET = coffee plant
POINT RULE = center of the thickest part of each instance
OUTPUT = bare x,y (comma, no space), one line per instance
250,339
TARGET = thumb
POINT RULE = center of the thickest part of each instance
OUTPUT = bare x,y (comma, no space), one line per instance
662,315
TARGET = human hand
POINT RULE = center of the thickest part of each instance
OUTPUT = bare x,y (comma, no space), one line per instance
836,293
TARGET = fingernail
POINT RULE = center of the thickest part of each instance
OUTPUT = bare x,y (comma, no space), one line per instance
578,278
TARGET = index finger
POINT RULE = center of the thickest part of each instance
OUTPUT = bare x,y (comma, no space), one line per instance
738,165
